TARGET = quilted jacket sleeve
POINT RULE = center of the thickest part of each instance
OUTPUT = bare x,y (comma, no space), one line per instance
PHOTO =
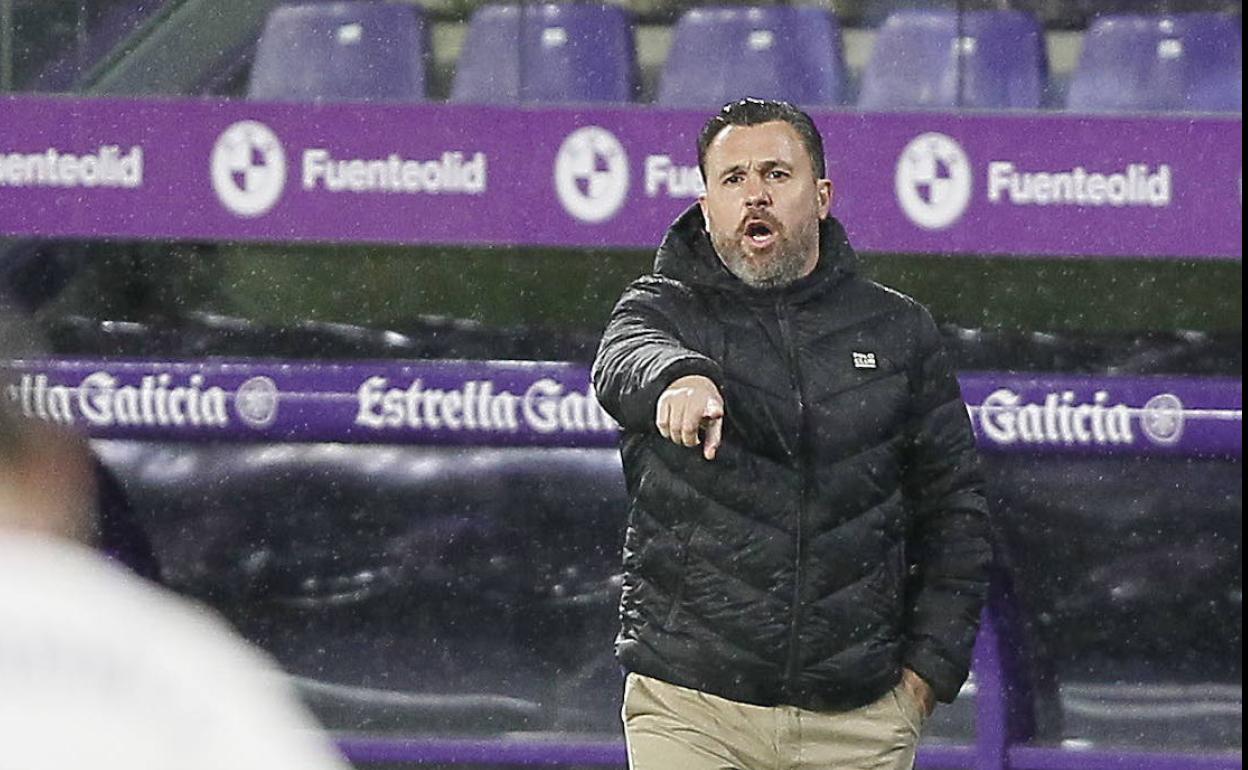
949,545
644,349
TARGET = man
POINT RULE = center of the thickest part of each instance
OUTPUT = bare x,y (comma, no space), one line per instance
807,546
99,668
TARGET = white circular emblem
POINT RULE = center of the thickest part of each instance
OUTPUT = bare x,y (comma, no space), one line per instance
248,168
591,174
255,401
1162,419
933,181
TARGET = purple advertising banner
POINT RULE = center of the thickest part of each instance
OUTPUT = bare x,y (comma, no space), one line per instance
509,403
1106,415
427,402
1027,184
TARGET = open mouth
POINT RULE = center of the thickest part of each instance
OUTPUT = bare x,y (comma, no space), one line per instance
760,234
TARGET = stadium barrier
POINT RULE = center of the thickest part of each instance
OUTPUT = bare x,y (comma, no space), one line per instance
543,404
1024,184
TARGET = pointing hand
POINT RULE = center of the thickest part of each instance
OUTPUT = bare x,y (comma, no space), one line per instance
691,411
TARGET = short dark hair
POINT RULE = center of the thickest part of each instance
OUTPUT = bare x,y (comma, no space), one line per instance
752,112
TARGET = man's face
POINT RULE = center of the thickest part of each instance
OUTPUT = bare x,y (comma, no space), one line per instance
763,203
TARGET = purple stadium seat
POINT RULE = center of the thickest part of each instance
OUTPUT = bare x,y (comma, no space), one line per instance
1137,63
488,70
922,59
554,53
342,51
720,54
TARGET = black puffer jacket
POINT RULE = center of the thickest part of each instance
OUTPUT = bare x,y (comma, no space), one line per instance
841,531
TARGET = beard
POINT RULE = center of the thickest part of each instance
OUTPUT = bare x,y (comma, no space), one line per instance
781,265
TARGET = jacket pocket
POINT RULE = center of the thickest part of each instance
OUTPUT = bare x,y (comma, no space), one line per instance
681,580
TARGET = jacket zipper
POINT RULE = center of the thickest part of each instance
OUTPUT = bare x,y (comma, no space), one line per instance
795,615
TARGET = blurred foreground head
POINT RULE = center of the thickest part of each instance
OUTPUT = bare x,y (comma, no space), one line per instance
98,668
46,478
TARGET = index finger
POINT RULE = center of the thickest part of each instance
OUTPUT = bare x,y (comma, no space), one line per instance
711,440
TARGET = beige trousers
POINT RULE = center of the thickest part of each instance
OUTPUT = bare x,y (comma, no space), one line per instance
668,727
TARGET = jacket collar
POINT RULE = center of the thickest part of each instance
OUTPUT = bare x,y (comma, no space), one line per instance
686,255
